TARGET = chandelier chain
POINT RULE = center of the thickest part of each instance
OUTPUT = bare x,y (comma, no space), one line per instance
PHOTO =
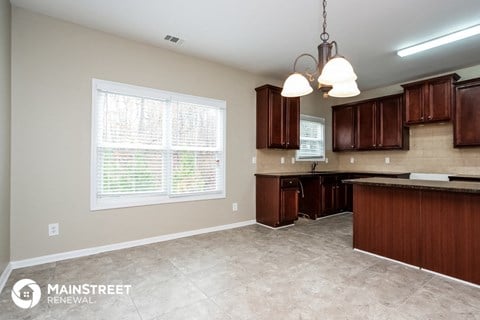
324,36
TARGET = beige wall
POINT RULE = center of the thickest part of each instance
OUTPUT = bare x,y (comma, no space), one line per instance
4,134
431,146
52,68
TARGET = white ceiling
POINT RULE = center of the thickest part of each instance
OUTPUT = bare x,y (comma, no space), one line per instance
265,36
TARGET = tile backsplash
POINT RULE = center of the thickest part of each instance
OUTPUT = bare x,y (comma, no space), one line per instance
431,150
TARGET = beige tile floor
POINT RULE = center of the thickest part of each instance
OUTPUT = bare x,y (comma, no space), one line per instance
306,272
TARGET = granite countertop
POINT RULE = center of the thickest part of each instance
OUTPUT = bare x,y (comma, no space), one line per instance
450,186
465,176
296,174
319,173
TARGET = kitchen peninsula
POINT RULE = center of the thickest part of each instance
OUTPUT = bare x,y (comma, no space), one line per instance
434,225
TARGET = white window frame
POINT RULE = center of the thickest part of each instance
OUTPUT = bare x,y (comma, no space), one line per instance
298,155
149,199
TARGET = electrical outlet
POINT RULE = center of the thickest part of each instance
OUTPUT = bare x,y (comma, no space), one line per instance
387,160
254,160
326,160
234,206
293,160
282,160
53,229
352,160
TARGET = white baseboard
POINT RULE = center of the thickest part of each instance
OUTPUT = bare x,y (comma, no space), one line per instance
277,228
4,276
122,245
452,278
335,215
422,269
388,259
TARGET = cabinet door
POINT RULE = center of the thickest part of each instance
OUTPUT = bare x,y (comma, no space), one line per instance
415,96
467,114
276,120
348,197
343,128
267,200
328,199
292,123
366,126
311,202
289,205
390,128
439,100
341,197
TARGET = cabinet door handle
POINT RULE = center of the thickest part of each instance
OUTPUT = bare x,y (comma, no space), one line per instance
429,117
374,145
421,118
380,145
353,146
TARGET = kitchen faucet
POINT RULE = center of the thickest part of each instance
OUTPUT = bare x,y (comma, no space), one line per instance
314,166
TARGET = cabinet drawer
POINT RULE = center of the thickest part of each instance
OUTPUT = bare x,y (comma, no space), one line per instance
289,183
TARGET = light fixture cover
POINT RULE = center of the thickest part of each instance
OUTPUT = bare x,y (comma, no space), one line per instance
344,89
459,35
337,70
296,85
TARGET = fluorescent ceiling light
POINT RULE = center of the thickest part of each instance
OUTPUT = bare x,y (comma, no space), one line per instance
459,35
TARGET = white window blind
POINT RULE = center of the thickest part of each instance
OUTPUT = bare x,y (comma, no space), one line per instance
312,138
151,146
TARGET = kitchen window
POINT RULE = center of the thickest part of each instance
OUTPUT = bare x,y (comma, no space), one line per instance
151,146
312,139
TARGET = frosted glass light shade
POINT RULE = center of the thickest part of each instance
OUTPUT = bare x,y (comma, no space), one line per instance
296,85
337,70
344,89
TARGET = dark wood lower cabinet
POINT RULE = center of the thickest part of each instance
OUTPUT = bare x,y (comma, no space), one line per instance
451,234
310,204
435,230
324,195
276,200
328,196
289,205
386,222
279,198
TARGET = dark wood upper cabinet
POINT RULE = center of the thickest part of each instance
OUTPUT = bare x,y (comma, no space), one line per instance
429,100
466,125
343,118
391,134
377,124
366,125
278,119
292,121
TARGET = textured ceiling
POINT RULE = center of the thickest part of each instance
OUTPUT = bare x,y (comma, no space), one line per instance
265,36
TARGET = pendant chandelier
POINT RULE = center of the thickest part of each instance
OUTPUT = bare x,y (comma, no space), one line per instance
334,74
